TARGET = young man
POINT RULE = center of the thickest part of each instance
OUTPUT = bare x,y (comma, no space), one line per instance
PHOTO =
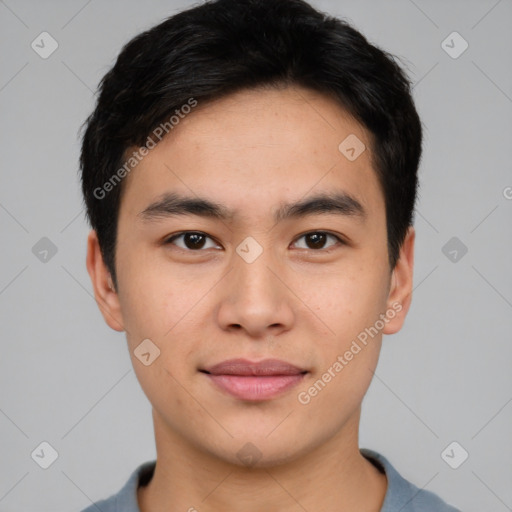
250,174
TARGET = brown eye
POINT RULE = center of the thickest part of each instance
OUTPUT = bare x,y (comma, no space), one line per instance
316,240
191,240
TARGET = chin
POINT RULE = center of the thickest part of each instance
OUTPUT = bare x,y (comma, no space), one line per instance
259,452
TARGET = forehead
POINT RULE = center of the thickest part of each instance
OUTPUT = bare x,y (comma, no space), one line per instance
257,148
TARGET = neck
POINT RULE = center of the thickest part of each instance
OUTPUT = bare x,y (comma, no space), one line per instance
332,476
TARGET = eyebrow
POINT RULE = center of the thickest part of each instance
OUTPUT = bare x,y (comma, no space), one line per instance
174,204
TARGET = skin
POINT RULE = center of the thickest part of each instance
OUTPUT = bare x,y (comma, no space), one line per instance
251,152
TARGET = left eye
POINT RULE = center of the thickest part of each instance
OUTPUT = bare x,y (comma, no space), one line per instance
193,240
318,238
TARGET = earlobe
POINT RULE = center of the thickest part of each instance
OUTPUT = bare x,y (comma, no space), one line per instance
400,292
104,291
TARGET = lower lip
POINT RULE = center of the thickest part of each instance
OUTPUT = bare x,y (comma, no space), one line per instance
255,387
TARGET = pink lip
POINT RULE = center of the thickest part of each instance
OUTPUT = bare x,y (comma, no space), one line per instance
247,380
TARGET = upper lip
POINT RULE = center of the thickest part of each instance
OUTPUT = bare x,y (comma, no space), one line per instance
246,367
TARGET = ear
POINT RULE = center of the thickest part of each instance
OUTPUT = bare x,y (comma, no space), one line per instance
400,292
104,292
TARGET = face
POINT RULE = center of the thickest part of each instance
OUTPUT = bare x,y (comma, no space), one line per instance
243,275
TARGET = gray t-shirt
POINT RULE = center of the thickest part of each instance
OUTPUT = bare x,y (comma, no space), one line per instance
401,495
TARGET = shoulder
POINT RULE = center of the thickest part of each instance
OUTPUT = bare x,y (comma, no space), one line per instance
403,495
125,500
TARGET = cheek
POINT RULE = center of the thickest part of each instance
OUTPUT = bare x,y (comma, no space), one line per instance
161,313
349,350
152,299
347,301
351,304
166,311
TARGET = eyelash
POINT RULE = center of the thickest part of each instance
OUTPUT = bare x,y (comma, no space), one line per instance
172,238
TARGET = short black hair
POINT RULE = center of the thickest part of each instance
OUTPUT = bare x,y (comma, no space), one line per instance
221,47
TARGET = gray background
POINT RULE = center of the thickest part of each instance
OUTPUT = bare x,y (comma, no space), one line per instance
66,378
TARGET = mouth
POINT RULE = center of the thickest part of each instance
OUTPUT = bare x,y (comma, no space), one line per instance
254,381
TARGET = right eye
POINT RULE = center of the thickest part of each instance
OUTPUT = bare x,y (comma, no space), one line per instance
192,241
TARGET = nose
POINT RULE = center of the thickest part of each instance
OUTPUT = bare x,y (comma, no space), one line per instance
255,299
